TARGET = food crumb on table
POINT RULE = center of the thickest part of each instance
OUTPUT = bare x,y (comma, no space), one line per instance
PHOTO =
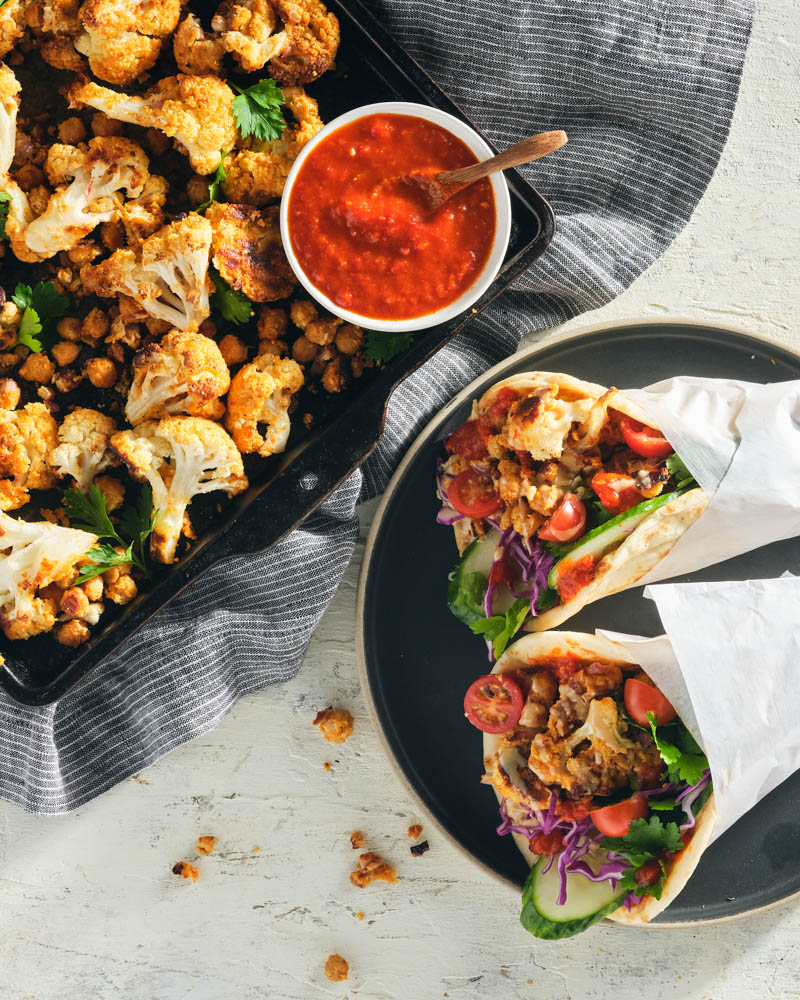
205,844
357,840
414,831
335,724
372,868
336,968
185,870
419,849
360,915
327,765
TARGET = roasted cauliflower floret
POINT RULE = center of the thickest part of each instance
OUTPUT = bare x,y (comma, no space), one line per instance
261,393
180,457
144,215
17,207
184,373
33,555
246,29
59,17
257,175
122,40
12,24
540,421
167,275
83,449
9,106
247,251
196,111
308,41
196,51
27,437
109,166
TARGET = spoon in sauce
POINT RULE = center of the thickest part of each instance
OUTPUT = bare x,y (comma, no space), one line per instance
433,190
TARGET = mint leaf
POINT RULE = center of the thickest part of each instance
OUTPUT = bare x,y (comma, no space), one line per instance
257,111
501,629
383,345
232,305
685,761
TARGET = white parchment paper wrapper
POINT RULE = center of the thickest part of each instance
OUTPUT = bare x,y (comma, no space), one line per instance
730,664
741,442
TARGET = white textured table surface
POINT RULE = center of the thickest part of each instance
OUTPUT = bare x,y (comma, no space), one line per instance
89,909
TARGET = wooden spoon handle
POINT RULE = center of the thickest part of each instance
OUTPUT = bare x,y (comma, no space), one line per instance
532,148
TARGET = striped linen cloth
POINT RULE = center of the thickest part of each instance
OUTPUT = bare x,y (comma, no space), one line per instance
645,89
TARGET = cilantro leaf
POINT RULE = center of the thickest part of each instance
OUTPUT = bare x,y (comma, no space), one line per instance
232,305
501,629
257,111
41,307
685,761
103,557
216,183
645,841
87,511
677,469
4,200
383,345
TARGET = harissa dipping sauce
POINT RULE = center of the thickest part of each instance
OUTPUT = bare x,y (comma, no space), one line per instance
365,241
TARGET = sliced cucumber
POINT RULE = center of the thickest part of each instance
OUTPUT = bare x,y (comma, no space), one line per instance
608,536
587,902
470,578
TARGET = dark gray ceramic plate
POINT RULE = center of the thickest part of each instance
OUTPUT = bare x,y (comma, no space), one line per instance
417,660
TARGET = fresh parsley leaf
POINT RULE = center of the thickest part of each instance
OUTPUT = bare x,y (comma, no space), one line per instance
677,469
137,524
4,200
216,183
41,307
103,557
501,629
383,345
87,511
685,761
257,111
232,305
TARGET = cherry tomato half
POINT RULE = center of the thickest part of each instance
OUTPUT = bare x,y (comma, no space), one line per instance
644,440
617,492
493,703
615,821
473,495
641,698
467,440
567,522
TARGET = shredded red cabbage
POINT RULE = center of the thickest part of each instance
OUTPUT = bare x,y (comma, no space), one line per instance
689,796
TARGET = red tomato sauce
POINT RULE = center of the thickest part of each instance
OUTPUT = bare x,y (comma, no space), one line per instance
369,246
574,576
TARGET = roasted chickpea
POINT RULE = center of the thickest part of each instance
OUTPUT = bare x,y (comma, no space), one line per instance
101,372
29,176
302,313
233,350
69,328
323,331
71,131
74,602
112,489
37,368
349,339
95,325
303,350
73,633
65,352
101,125
272,323
122,590
93,588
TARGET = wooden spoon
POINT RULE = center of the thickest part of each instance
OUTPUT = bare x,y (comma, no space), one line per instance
435,189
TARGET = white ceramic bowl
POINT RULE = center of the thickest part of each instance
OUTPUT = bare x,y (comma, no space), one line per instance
502,210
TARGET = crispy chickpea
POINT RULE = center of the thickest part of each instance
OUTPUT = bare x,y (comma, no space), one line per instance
349,339
69,328
117,353
71,131
158,327
67,379
156,141
29,176
272,323
38,197
112,235
65,352
130,310
303,350
333,377
335,724
37,368
93,588
112,489
95,325
101,372
101,125
302,313
74,602
73,633
197,190
9,394
122,591
233,350
276,347
323,331
208,328
84,253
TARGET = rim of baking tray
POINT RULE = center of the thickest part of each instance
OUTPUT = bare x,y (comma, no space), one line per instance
497,373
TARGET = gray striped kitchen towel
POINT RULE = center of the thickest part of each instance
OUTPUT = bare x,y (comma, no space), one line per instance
645,90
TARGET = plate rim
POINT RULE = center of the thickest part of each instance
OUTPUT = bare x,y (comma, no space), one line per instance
496,372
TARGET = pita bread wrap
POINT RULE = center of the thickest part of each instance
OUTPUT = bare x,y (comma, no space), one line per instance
533,653
558,418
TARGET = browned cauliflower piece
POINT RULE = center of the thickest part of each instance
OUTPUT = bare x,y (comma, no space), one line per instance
122,38
142,216
109,165
27,437
183,373
19,214
246,30
83,449
257,175
308,41
196,51
167,275
261,393
12,24
247,251
180,457
33,556
195,111
58,17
